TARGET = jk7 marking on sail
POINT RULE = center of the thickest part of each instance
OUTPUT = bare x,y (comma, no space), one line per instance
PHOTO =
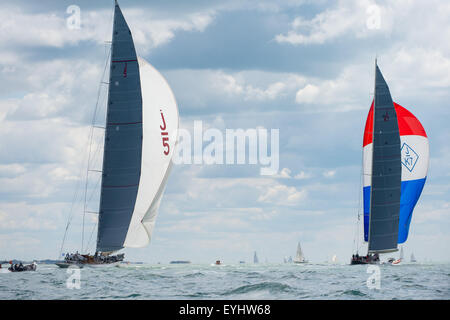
409,157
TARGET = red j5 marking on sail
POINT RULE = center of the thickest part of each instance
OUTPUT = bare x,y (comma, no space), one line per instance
163,127
386,116
165,140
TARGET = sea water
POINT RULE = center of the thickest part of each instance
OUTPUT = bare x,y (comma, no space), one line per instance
240,281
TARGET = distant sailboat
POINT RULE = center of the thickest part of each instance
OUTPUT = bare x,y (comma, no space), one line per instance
299,258
334,259
413,258
395,164
255,258
140,136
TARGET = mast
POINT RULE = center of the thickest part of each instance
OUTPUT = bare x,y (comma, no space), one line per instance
361,183
386,171
373,131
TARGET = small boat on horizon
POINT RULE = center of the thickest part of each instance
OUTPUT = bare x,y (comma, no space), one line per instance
19,267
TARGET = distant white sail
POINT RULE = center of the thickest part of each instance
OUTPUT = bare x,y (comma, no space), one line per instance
334,259
299,258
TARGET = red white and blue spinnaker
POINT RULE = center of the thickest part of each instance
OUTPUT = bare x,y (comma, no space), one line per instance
415,158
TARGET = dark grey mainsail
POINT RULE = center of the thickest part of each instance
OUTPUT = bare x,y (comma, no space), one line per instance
123,140
386,171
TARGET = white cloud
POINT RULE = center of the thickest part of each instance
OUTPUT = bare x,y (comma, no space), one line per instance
302,175
282,195
151,32
432,212
38,29
348,91
348,17
52,89
430,65
23,216
329,173
239,84
11,170
417,31
308,94
285,173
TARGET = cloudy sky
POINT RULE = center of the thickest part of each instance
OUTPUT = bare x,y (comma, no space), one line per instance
301,66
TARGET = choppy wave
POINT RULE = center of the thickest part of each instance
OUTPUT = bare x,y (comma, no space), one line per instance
260,282
271,287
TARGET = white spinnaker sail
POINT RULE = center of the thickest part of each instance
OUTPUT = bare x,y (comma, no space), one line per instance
160,133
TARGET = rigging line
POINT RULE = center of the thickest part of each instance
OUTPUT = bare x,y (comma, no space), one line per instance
361,195
92,232
99,143
107,44
96,153
69,220
91,133
361,177
74,200
94,189
71,212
